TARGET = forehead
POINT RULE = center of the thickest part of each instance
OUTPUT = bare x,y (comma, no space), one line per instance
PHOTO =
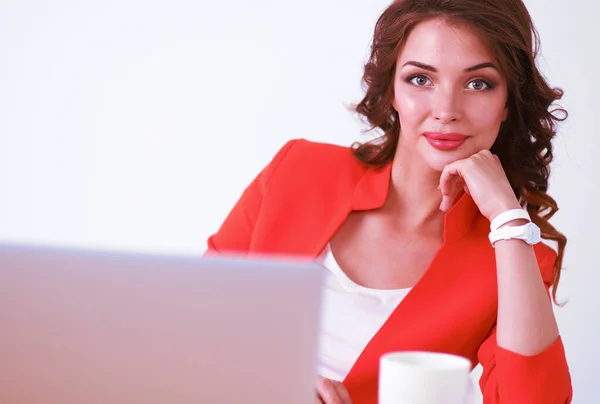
440,43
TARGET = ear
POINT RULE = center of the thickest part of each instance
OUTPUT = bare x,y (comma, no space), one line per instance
394,103
505,115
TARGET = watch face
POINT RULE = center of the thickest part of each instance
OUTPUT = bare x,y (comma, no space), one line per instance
533,235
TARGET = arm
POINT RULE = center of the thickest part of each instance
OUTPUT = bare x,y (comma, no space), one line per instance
523,359
526,323
235,234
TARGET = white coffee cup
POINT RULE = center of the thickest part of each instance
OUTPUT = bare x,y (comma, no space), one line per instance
414,377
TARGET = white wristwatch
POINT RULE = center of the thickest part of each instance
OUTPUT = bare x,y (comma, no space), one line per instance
508,216
530,233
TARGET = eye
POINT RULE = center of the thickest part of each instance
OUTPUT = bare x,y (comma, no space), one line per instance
419,80
479,85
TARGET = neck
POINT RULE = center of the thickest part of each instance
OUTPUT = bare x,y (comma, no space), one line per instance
414,198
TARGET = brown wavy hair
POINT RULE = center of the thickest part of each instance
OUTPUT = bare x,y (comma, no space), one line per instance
524,143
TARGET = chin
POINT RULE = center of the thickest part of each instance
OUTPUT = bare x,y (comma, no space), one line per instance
437,160
437,165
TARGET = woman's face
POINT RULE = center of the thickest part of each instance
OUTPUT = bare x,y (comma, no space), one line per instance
449,94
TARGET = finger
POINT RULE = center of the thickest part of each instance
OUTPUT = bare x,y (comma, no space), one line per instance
453,181
452,188
466,189
449,174
342,392
457,187
327,392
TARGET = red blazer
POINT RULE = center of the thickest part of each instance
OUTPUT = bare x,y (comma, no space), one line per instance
301,198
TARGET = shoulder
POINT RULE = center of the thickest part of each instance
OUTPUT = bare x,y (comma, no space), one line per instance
302,150
301,160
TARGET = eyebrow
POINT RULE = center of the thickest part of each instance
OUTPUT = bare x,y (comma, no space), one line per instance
433,69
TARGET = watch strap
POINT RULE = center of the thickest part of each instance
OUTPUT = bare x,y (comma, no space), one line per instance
528,232
508,216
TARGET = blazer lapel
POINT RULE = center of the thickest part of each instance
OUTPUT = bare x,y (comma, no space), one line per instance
463,271
305,229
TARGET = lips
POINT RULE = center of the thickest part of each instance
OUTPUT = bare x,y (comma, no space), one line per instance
445,141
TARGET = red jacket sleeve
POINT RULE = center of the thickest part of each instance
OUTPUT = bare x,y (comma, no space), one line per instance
511,378
235,234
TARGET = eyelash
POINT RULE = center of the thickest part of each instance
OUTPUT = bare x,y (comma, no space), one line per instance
488,85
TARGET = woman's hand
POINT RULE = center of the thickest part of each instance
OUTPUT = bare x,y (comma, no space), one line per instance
483,177
331,392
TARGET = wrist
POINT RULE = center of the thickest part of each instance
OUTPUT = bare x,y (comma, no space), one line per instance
529,232
516,222
510,217
504,208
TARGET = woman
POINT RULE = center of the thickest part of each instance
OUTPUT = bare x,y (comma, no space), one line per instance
407,224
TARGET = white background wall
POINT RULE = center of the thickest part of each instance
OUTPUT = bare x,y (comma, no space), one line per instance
136,124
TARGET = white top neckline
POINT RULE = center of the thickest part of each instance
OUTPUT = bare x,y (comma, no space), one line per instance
330,263
351,315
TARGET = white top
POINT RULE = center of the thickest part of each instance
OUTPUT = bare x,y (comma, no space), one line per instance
351,316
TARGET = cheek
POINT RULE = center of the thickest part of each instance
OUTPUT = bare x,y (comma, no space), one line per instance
487,115
486,118
411,109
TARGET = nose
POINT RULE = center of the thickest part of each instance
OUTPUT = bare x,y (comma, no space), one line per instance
447,105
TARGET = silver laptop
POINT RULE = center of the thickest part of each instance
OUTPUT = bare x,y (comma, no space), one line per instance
84,326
